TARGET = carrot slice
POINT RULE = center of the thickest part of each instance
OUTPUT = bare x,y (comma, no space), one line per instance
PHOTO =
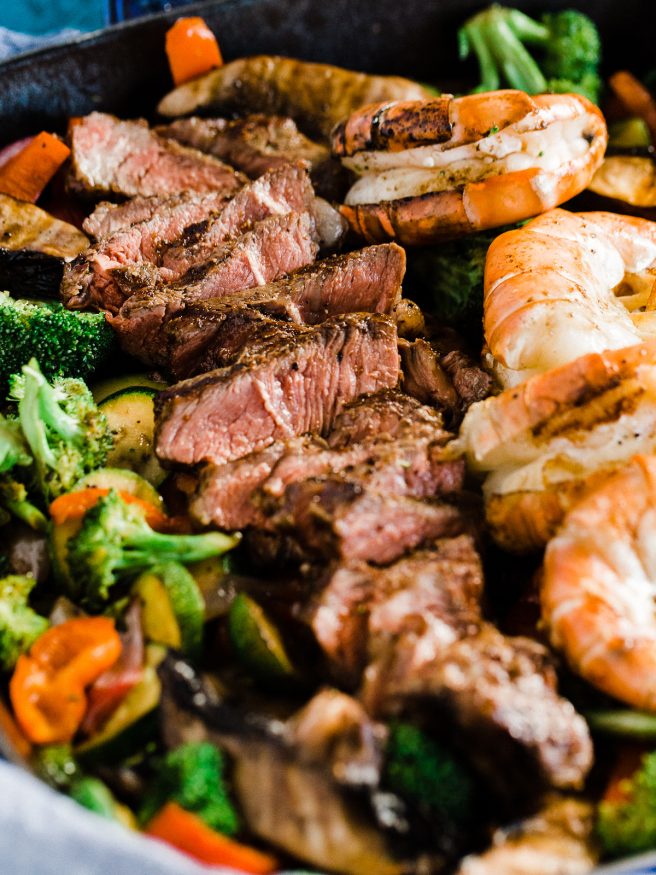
26,174
192,49
189,834
47,688
637,99
74,505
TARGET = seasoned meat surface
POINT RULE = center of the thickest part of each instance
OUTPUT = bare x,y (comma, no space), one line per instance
381,413
126,158
181,233
365,280
293,388
273,247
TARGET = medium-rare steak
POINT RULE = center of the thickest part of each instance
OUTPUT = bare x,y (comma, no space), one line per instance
367,280
258,143
344,518
296,387
125,158
108,218
273,247
181,233
236,495
382,413
253,144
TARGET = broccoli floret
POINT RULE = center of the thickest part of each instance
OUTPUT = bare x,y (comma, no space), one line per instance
628,826
67,343
15,467
193,776
67,434
115,541
425,773
20,626
567,41
56,765
449,277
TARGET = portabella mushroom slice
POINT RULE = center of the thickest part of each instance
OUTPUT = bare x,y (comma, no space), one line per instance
306,785
316,96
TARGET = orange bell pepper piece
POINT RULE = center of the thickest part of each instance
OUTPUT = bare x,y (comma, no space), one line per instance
189,834
47,688
192,49
26,174
74,505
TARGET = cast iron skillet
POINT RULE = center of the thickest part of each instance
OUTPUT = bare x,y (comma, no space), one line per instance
123,69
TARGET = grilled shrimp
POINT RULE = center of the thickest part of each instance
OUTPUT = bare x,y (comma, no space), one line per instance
597,592
567,284
446,166
545,443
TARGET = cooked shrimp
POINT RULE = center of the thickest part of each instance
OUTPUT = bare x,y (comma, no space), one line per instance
567,284
544,443
447,166
597,592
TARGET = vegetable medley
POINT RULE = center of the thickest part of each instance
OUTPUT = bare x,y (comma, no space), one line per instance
221,613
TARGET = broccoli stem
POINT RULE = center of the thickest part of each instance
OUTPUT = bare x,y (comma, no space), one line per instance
627,723
27,512
517,65
145,547
470,37
526,28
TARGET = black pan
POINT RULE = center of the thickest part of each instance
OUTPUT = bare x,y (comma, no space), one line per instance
123,69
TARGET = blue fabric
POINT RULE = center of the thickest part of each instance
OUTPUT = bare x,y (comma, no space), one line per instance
12,43
45,16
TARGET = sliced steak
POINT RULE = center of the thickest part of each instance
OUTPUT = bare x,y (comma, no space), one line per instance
236,495
253,144
89,279
275,246
444,376
367,280
285,189
296,387
501,695
382,413
343,518
108,218
125,158
181,233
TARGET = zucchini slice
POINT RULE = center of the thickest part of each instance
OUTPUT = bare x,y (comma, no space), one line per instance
131,417
114,385
173,608
257,642
122,480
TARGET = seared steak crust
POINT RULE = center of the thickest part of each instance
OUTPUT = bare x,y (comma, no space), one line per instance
126,158
181,232
382,413
273,247
292,388
367,280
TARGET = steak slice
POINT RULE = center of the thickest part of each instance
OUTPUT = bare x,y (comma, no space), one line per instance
235,495
382,413
343,518
258,143
296,387
273,247
181,233
108,218
253,144
367,280
125,158
444,375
